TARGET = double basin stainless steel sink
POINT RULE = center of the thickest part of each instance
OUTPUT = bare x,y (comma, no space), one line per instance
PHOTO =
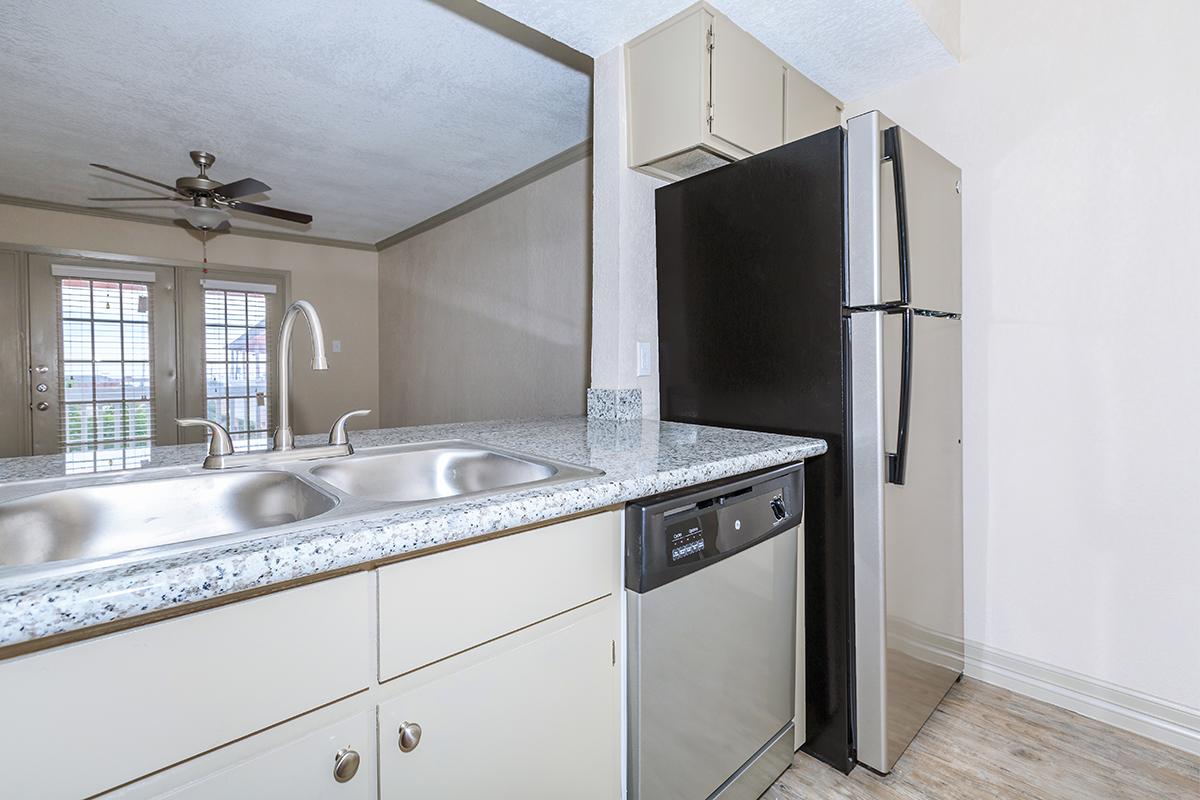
67,519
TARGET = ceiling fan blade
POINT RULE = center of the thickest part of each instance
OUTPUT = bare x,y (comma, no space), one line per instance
267,211
117,199
243,188
171,189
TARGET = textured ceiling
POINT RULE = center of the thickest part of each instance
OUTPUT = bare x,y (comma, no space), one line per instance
850,47
372,116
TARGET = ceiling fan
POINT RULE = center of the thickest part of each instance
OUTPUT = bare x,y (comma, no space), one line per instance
208,199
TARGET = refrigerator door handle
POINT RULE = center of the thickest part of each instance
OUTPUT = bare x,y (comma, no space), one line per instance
898,461
893,152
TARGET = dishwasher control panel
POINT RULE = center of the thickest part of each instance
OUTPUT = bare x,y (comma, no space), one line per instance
685,538
673,535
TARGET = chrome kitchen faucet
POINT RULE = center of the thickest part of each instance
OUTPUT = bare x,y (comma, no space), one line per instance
220,445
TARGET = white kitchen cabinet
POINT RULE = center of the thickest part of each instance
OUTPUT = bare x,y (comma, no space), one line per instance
298,761
474,594
505,650
807,108
86,717
702,93
531,716
747,89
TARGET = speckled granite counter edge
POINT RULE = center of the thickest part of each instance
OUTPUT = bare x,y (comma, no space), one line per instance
55,604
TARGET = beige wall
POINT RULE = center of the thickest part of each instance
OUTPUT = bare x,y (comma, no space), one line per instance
486,316
1074,125
341,283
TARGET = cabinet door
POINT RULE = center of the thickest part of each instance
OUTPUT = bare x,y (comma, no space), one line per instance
535,720
747,89
667,71
300,769
121,706
808,108
538,574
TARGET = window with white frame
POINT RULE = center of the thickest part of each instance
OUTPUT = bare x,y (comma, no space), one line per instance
106,375
236,363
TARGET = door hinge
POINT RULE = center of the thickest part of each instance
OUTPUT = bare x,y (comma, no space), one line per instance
710,45
614,652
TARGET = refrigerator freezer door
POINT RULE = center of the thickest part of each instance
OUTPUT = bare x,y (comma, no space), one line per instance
907,538
930,217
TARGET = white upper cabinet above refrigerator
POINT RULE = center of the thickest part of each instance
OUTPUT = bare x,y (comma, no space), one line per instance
747,89
702,92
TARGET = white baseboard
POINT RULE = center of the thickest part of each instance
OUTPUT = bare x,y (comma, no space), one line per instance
1170,723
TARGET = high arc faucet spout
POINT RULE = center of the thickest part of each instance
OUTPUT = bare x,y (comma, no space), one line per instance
284,439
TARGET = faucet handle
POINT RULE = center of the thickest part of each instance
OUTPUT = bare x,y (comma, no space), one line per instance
220,444
337,434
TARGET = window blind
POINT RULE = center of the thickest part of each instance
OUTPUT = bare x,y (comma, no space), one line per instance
106,382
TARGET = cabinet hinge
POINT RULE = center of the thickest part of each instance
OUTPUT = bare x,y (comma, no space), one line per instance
710,45
614,652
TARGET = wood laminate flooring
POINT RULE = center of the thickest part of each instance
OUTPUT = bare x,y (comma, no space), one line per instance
984,742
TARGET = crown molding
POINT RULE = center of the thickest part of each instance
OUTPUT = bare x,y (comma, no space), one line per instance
521,179
127,216
508,186
522,34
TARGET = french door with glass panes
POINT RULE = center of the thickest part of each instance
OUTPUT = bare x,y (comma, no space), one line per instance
118,350
235,316
102,360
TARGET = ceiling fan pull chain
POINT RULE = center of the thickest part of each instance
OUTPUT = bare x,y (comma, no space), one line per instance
204,244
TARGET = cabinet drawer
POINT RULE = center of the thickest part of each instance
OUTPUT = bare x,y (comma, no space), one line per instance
439,605
533,721
86,717
298,768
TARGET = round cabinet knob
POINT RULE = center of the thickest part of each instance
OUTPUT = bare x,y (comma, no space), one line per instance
410,737
345,764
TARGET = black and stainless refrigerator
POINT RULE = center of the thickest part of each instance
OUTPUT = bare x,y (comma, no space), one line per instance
815,289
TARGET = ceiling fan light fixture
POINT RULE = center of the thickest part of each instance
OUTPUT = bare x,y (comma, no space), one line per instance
202,217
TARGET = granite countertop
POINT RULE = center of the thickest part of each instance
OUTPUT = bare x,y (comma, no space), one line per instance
639,458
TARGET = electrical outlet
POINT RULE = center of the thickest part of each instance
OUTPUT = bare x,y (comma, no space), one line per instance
645,358
337,345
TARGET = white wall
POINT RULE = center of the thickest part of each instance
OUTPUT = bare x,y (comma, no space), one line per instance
624,283
486,316
341,283
1076,125
944,18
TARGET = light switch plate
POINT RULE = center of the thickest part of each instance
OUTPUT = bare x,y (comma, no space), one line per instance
645,358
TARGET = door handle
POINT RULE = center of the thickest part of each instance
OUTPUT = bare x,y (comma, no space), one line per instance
898,461
893,152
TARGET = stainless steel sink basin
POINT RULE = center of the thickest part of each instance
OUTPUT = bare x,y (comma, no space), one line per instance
105,519
432,470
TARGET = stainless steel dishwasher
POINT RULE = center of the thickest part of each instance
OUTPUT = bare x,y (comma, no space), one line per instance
710,578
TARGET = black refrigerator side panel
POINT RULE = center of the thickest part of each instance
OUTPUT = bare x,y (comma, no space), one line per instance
750,260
